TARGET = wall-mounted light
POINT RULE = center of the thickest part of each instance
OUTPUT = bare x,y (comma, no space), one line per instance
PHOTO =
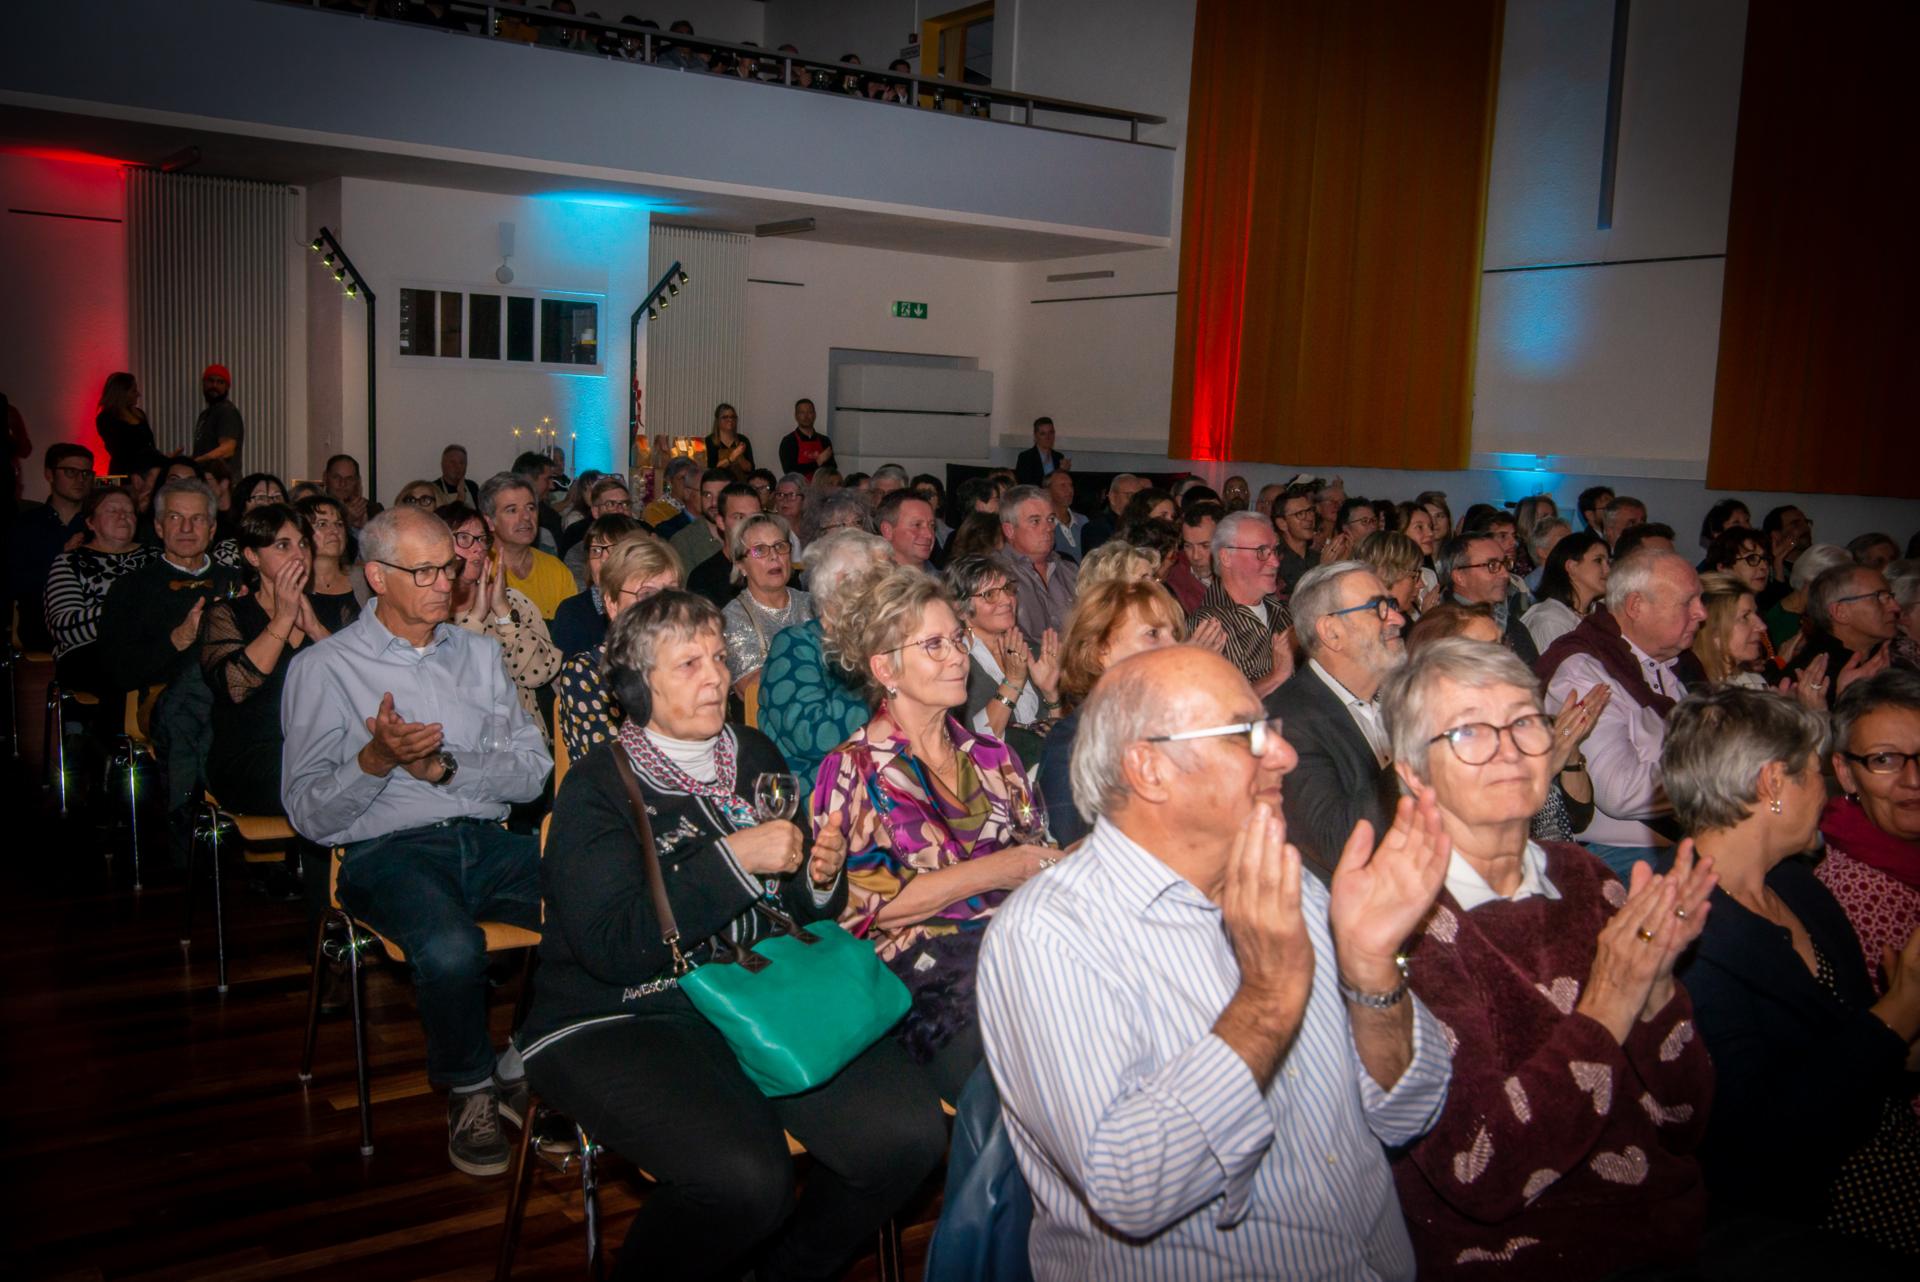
356,288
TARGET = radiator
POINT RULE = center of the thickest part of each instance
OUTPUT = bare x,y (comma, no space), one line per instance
697,347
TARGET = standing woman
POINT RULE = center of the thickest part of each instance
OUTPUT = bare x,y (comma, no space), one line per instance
122,424
484,604
337,594
77,588
761,549
1572,584
727,450
245,647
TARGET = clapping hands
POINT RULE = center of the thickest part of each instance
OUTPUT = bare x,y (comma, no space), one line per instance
1632,974
1381,893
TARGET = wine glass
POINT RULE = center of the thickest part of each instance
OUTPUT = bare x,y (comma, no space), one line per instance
1026,811
776,795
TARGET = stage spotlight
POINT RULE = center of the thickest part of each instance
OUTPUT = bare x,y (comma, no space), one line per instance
315,246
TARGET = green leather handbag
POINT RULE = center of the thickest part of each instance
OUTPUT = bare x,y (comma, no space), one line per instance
798,1005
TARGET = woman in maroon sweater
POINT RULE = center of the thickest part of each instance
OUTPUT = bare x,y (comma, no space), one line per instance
1579,1090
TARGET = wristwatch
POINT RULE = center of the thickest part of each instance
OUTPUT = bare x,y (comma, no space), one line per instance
447,766
1378,1001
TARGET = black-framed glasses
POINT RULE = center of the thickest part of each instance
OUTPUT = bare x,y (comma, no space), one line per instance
1477,742
599,549
1299,512
424,575
938,647
1384,606
1882,763
78,473
1499,565
1882,595
615,505
1000,592
761,551
1263,552
1259,734
461,538
421,501
1752,559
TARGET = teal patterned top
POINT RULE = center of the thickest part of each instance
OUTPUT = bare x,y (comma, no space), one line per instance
808,706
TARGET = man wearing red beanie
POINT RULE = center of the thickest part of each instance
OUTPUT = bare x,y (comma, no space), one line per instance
218,432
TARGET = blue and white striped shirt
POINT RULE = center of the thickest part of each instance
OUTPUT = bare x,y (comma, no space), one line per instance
1150,1151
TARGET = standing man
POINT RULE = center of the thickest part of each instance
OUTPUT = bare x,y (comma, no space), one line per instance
1350,629
507,502
700,537
43,531
1069,525
1035,465
219,431
1474,571
804,450
1202,1054
452,485
1296,519
1242,598
406,744
713,577
1043,580
906,521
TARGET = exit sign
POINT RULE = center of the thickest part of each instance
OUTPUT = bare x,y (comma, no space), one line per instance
910,311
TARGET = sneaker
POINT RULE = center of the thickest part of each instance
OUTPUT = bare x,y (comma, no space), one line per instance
475,1143
513,1098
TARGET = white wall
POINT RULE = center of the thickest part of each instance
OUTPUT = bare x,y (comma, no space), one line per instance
65,282
403,235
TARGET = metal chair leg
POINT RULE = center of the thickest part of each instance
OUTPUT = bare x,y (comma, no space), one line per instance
55,747
589,1199
201,832
133,809
219,905
359,1040
519,1181
887,1252
10,660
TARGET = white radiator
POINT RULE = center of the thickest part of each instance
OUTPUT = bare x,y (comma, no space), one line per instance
697,348
207,284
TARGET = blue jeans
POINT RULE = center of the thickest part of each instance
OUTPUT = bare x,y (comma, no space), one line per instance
424,888
1622,858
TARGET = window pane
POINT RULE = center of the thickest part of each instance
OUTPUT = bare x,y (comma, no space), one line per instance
569,332
416,322
449,324
519,329
483,327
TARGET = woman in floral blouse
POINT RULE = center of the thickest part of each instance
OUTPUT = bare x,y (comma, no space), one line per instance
937,799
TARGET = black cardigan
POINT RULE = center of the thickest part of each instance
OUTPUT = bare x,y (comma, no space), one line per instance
1802,1077
601,941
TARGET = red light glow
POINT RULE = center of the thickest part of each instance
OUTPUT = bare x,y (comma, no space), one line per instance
68,156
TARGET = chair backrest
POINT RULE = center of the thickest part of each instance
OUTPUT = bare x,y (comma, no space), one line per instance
987,1210
560,762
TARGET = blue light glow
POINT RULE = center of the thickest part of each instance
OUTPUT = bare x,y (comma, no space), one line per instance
1543,320
615,200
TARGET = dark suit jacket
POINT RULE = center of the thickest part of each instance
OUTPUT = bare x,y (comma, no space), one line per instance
1337,783
1027,468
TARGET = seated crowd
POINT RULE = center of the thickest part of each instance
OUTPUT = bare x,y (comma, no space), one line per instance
1327,887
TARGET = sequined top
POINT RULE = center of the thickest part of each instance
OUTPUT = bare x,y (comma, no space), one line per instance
750,628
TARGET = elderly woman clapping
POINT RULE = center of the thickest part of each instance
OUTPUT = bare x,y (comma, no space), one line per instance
1578,1093
1812,1119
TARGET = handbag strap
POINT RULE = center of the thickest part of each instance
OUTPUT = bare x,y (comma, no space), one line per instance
650,859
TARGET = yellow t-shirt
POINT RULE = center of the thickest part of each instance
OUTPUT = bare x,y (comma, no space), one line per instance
548,583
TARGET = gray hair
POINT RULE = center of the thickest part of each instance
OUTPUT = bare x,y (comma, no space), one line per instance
1829,587
1634,574
737,540
1904,578
1316,596
380,537
892,471
1452,554
968,575
164,496
792,478
1814,562
1717,743
834,504
679,467
1537,541
635,638
1011,501
1890,688
833,560
1228,531
1123,709
1120,479
1406,696
498,484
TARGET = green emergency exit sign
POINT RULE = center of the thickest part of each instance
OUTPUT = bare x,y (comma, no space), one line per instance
910,311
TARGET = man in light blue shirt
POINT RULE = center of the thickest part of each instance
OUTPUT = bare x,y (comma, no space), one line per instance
1199,1053
406,744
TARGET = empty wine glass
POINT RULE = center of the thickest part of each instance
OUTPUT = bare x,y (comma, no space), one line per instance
1026,811
776,795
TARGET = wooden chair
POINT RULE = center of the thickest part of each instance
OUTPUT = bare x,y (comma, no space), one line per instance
133,755
500,937
263,839
12,656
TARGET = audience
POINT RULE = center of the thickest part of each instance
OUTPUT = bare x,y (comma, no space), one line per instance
1812,1119
1192,572
1010,685
766,602
1044,582
1646,534
332,589
482,601
44,530
257,489
634,571
718,578
342,479
1573,583
605,496
1201,1053
122,424
671,512
1244,603
509,504
611,1042
1875,550
804,450
581,621
1474,571
1069,526
1623,513
1853,617
906,522
77,587
452,485
1787,624
1789,533
1104,524
943,801
1395,561
702,537
406,744
1593,504
1296,521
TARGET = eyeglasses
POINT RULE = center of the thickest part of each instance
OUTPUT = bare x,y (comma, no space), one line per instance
1259,734
260,498
1264,552
639,594
78,473
1477,743
938,646
1883,596
329,523
761,551
461,538
424,575
1004,592
1883,763
1754,559
597,550
1499,565
616,505
1384,606
421,500
1297,512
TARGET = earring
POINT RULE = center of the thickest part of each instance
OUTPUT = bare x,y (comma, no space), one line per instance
1774,805
893,692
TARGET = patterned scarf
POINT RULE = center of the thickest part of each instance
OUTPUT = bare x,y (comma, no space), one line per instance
650,760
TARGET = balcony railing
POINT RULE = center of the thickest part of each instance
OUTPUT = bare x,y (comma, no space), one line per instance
667,51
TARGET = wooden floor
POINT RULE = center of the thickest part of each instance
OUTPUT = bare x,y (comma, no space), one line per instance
156,1129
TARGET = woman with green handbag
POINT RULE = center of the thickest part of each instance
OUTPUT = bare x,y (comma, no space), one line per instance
688,997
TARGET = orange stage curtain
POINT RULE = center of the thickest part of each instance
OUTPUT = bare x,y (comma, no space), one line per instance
1819,342
1337,157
